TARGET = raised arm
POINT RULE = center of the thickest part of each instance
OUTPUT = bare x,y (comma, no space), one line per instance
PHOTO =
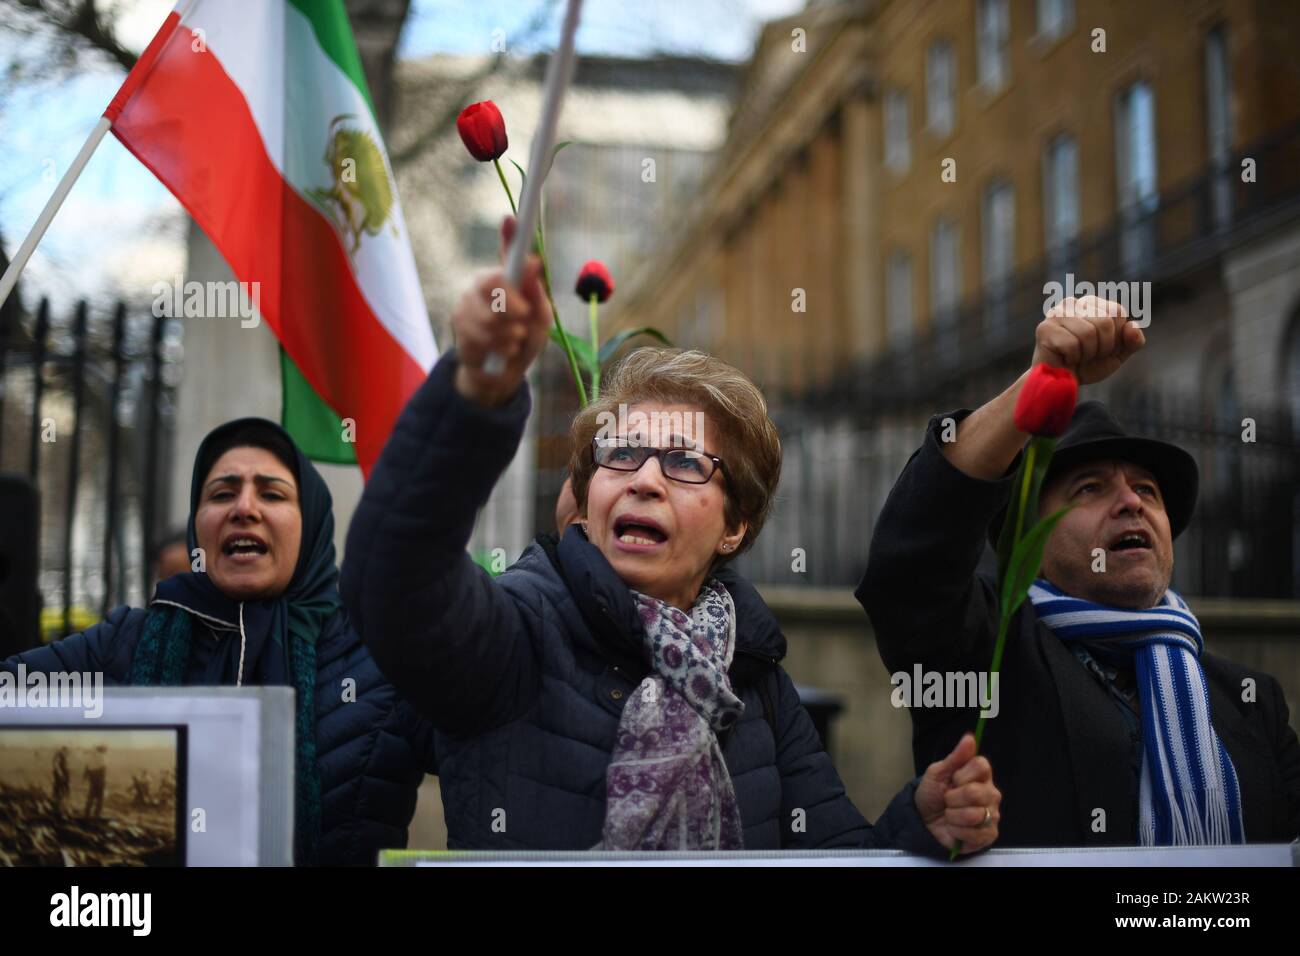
447,635
921,590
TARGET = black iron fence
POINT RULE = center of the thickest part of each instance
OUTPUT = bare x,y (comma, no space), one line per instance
840,464
86,418
842,457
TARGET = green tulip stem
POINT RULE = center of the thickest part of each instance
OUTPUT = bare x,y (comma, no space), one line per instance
546,271
509,194
1004,619
595,347
1024,486
559,326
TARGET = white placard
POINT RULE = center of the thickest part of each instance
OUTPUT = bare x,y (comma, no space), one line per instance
1259,854
239,761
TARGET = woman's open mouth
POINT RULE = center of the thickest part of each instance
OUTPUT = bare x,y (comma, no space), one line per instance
635,533
244,549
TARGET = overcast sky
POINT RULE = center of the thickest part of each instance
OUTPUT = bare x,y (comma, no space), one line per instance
121,229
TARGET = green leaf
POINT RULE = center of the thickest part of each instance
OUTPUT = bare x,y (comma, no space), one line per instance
555,150
523,178
1026,559
581,349
608,350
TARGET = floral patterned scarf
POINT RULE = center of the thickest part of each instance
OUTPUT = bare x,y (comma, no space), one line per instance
667,786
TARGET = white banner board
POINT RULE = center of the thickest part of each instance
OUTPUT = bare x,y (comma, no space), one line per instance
200,776
1262,854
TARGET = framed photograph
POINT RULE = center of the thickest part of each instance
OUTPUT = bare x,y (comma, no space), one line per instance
107,796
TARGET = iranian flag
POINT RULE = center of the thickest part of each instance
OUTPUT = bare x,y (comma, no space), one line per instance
255,114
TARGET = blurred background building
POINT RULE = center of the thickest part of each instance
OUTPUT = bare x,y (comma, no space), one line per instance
875,243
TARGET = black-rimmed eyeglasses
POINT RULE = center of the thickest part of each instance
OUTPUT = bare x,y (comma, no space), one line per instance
680,464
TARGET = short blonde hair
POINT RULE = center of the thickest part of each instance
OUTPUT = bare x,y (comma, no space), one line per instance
750,447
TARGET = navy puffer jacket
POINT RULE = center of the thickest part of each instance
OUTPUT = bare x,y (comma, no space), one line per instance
525,675
371,752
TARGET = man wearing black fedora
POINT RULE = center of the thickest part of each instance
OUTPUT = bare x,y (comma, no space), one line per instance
1113,726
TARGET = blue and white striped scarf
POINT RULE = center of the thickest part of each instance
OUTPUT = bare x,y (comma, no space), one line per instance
1189,793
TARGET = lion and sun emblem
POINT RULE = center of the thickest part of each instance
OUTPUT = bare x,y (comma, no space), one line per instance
362,197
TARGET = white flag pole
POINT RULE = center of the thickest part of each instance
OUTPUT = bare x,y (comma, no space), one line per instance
51,207
559,72
24,253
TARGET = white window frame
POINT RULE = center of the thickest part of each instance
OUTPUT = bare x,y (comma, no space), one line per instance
1136,173
945,271
940,88
1218,121
998,225
1055,18
898,145
993,36
997,249
1060,194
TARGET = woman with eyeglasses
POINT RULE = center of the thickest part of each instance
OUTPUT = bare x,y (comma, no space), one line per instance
619,687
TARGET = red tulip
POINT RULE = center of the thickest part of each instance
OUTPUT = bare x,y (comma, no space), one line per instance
1046,402
482,130
594,278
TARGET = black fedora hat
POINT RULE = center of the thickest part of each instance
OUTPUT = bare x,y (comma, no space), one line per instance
1094,434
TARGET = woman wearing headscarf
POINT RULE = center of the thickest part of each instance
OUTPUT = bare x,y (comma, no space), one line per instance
261,608
619,687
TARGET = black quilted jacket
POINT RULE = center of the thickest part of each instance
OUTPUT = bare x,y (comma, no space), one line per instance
525,675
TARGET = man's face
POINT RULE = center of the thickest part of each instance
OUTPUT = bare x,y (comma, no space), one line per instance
1119,509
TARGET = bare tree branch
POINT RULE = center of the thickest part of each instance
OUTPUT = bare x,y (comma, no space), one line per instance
83,21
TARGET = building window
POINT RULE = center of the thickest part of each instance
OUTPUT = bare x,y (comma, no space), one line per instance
998,249
898,299
1055,18
1135,155
940,85
1060,198
945,273
1218,122
898,149
994,31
